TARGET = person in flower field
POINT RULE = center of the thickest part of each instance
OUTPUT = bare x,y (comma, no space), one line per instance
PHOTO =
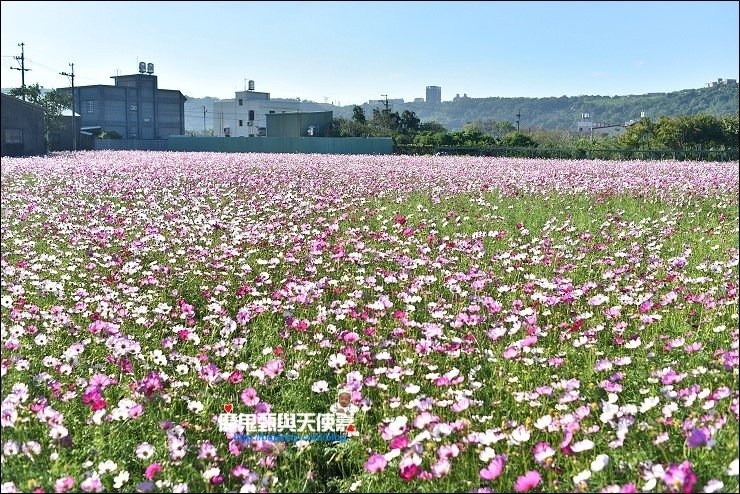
344,405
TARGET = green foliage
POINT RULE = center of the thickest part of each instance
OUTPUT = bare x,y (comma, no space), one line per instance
686,132
110,135
358,115
432,127
491,127
53,102
519,140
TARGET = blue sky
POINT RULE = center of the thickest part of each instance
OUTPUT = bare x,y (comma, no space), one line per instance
352,52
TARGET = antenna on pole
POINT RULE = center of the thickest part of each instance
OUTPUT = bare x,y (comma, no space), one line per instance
518,116
23,70
204,118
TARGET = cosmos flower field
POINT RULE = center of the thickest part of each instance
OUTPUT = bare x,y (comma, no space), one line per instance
503,324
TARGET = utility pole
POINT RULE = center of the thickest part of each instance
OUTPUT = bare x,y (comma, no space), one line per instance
518,115
204,119
74,121
386,102
23,70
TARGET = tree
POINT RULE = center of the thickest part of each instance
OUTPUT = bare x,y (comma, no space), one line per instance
358,115
432,127
491,127
344,127
386,120
409,123
53,102
730,131
639,134
518,140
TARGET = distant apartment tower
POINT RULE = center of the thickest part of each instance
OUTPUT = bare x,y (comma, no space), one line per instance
434,94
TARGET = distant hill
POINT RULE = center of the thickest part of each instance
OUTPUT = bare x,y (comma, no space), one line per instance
564,112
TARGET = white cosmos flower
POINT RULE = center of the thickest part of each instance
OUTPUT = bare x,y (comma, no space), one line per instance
581,477
519,435
608,411
543,422
584,445
211,472
487,455
396,427
649,403
713,485
633,343
337,360
120,479
599,463
732,469
391,454
320,386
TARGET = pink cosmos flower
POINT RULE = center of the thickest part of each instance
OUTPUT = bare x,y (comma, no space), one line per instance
376,463
409,472
152,470
528,481
680,478
542,451
494,469
249,397
64,484
273,368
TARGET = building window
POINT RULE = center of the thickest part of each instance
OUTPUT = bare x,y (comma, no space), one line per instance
241,123
13,136
272,111
134,107
90,107
147,119
251,115
241,102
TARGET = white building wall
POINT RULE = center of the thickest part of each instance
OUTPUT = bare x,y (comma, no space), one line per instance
228,113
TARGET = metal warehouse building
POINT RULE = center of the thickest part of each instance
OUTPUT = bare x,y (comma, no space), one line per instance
299,124
23,127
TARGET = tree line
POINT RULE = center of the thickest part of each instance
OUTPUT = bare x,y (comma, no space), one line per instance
701,132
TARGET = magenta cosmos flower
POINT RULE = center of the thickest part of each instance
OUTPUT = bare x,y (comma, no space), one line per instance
152,470
528,481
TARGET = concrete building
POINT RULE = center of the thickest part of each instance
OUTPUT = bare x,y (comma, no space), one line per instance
590,129
434,94
134,107
23,127
300,124
246,114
